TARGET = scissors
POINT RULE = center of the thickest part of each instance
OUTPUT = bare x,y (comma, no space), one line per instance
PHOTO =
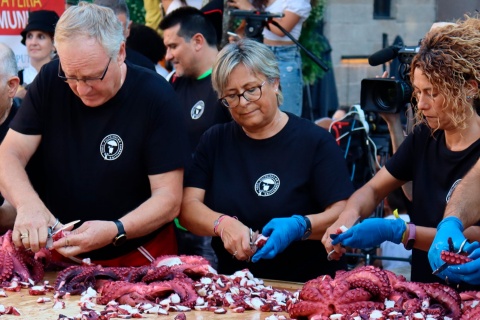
451,249
52,233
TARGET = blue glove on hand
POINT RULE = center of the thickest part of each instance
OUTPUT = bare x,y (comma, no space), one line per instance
468,272
371,232
281,232
450,227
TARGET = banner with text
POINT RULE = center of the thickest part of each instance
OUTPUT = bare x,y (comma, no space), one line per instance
14,18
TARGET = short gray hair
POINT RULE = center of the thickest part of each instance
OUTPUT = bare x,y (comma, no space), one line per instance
8,63
254,55
93,21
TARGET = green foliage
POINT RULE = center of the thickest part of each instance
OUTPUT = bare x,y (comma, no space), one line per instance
313,41
137,11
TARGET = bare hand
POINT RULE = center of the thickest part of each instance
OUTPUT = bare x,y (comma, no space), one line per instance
236,239
335,252
90,236
31,226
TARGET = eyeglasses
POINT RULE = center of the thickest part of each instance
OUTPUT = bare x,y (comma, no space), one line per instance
87,80
251,95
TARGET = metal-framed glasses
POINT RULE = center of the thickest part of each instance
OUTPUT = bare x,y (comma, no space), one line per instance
251,95
87,80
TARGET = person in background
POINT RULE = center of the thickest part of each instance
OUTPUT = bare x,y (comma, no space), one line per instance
38,38
123,14
9,83
171,5
339,114
267,170
396,200
445,144
286,51
462,212
190,39
148,42
95,151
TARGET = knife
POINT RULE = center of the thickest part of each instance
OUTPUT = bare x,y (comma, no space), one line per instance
441,268
62,228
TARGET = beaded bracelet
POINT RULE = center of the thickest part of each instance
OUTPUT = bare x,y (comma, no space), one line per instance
217,222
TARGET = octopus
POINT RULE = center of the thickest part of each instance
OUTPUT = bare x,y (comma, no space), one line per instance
364,291
352,291
134,293
454,258
77,279
18,263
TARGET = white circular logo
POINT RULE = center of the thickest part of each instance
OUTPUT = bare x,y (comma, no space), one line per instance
267,185
111,147
197,110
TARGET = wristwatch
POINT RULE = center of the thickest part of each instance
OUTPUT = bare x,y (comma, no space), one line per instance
121,236
308,231
411,236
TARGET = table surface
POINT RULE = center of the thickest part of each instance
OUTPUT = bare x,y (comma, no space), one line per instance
31,310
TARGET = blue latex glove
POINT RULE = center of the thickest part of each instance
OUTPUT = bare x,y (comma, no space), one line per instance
281,232
450,227
372,232
470,271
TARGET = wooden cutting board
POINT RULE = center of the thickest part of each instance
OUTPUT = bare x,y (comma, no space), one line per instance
31,310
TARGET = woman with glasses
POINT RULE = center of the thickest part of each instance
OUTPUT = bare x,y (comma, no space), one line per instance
267,171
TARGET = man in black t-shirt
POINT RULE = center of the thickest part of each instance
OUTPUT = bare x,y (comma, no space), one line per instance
104,144
190,39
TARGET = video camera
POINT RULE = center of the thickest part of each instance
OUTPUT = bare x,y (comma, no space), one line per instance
255,21
389,95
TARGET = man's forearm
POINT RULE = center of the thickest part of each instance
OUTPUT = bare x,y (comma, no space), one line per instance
465,201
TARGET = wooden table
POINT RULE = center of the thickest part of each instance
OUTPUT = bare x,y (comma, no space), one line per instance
31,310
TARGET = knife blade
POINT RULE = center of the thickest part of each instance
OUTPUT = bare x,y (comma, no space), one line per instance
65,226
441,268
62,228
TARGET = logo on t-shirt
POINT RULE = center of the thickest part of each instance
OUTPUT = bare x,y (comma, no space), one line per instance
267,185
197,110
111,147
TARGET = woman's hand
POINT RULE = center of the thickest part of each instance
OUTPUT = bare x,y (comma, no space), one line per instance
280,232
236,238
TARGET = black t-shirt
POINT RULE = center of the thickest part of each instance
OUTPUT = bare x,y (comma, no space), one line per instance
200,104
435,171
4,128
93,163
300,170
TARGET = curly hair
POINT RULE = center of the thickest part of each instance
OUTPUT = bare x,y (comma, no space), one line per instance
449,57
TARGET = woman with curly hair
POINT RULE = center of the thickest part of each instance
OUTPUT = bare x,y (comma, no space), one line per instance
443,146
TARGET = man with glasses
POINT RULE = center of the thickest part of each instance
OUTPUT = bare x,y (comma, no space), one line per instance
190,39
97,140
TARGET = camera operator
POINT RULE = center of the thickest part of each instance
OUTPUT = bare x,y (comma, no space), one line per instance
285,50
444,145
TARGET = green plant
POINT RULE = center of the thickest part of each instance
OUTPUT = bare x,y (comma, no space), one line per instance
137,11
313,41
